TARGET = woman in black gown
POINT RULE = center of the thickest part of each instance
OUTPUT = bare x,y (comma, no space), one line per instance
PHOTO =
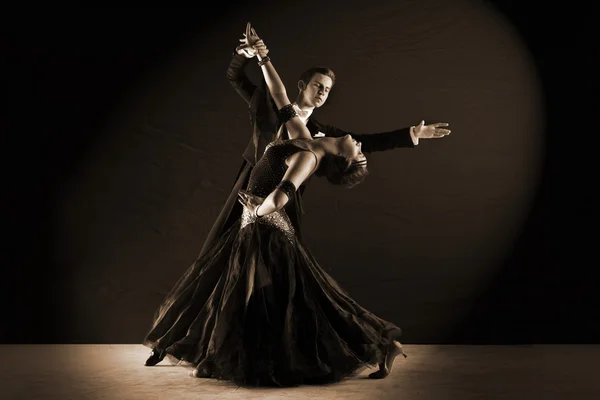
257,308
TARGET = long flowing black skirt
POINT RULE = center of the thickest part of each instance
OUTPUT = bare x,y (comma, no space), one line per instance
259,310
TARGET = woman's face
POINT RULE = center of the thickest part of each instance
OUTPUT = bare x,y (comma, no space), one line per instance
352,149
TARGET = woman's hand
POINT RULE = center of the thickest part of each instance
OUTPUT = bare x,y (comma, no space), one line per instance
250,201
261,48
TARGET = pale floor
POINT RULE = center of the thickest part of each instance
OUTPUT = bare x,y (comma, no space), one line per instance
432,372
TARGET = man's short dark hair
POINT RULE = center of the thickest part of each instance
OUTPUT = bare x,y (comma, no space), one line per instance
307,75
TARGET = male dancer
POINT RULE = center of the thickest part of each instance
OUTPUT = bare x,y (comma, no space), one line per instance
314,87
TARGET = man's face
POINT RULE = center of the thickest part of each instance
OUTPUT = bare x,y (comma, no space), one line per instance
316,92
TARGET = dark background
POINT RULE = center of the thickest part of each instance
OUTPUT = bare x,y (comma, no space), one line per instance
122,138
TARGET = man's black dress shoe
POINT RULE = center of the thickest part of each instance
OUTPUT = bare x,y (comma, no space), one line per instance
155,358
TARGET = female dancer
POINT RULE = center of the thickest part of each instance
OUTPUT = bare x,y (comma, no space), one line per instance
257,308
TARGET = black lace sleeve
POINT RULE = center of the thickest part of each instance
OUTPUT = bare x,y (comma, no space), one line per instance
286,113
287,187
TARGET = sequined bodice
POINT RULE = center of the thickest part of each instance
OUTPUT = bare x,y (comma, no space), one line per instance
271,167
264,178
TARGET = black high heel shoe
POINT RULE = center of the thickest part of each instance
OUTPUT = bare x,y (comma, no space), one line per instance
385,368
155,357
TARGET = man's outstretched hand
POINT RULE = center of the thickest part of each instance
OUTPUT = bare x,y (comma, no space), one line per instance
431,131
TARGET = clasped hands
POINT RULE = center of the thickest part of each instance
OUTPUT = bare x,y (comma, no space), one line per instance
251,44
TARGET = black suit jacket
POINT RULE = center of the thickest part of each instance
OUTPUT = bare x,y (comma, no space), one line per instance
263,118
